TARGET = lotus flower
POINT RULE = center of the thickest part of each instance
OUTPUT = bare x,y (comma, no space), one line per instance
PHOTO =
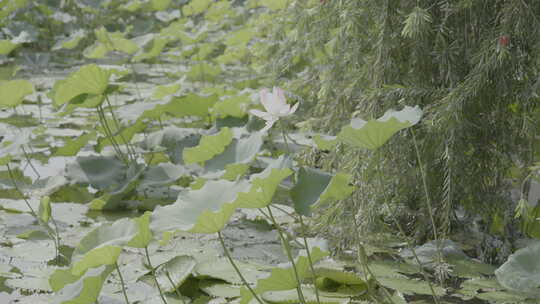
276,106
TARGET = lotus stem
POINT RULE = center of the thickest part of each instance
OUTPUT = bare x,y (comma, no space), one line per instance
288,251
308,252
154,274
122,282
228,254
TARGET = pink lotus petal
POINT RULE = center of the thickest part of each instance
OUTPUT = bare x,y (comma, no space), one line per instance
264,115
294,108
279,95
264,97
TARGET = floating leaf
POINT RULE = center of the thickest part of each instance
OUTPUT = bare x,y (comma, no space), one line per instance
13,92
163,91
291,296
103,245
208,147
217,289
189,105
240,37
206,210
410,286
283,278
521,272
196,7
235,106
160,5
203,71
11,145
223,270
374,133
465,267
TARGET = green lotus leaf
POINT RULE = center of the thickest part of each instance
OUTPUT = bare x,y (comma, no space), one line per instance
144,236
205,210
264,185
163,91
374,133
240,37
44,211
115,198
99,171
235,106
291,296
89,79
122,136
310,184
11,145
216,289
234,171
160,5
338,188
222,269
189,105
196,7
73,146
177,270
240,152
315,187
521,272
6,47
232,54
103,245
208,147
163,174
325,142
218,11
284,278
156,48
332,274
107,42
81,290
106,255
70,42
13,92
274,4
410,286
203,71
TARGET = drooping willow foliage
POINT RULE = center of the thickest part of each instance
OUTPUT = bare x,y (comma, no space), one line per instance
472,65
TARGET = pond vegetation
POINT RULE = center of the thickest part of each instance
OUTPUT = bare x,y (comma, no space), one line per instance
268,151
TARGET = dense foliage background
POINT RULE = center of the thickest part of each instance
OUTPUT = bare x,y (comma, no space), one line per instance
117,114
472,65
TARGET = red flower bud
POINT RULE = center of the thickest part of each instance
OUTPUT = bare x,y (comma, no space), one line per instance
504,40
